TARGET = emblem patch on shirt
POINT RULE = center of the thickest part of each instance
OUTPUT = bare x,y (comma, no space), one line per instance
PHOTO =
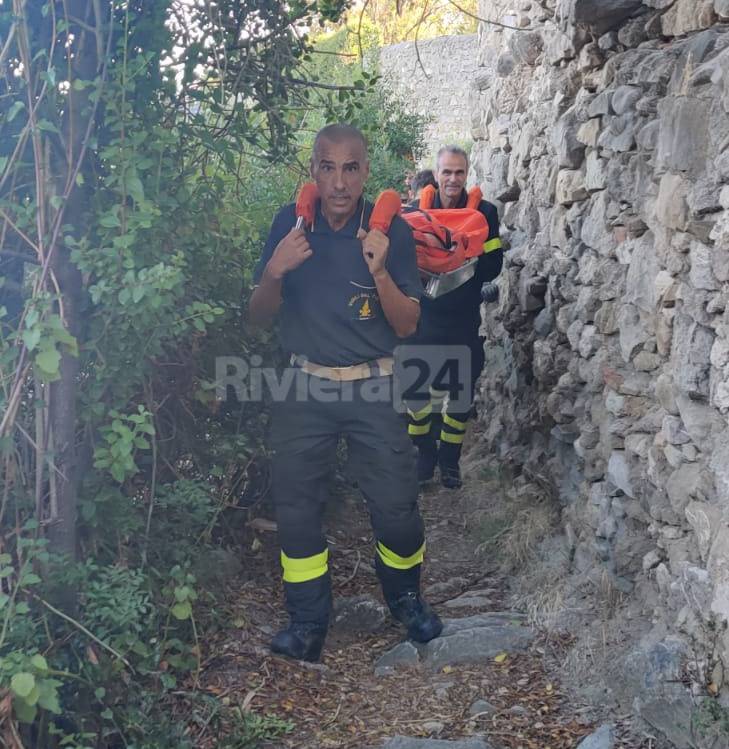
363,305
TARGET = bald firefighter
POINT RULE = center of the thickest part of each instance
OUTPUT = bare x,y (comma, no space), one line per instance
344,295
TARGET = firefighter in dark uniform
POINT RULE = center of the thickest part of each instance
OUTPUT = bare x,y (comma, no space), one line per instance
345,296
453,319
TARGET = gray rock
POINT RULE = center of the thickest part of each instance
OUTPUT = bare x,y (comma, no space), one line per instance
619,133
672,203
686,16
469,600
603,738
589,132
404,742
686,483
601,15
447,587
482,707
475,645
608,41
633,32
526,47
699,420
570,186
683,136
570,150
721,8
633,333
359,614
620,472
403,654
601,104
690,356
596,172
625,98
492,619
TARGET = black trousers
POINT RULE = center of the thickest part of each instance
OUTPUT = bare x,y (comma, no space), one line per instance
428,420
304,436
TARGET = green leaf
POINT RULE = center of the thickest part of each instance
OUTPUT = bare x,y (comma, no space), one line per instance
48,361
182,610
109,221
39,662
3,163
13,111
182,593
6,572
22,608
4,598
31,338
135,189
48,699
22,684
79,179
29,578
26,713
47,126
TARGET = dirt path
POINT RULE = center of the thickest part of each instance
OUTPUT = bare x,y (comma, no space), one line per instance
341,703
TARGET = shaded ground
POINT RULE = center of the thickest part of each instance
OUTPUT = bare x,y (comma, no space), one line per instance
340,703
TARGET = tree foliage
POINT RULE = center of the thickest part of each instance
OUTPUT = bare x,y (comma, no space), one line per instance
144,146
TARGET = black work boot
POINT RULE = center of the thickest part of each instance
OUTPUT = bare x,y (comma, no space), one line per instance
300,640
422,623
450,472
427,460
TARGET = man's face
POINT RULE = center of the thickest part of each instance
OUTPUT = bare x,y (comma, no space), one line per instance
340,171
451,176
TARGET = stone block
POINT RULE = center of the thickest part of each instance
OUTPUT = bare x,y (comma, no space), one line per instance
690,356
686,16
672,205
600,16
570,186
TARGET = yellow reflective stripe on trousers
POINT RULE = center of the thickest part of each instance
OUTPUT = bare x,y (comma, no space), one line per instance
454,439
424,411
416,430
305,568
460,425
396,561
491,245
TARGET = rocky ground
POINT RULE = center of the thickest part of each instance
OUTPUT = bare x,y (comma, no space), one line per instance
489,682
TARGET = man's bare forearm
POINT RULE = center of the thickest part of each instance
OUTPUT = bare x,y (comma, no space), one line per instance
265,300
400,310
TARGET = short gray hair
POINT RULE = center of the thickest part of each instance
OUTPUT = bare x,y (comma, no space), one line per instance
455,150
336,133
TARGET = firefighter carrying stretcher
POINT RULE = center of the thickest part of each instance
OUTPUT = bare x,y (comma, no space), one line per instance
452,319
345,293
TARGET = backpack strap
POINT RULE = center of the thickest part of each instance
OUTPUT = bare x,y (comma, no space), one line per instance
427,197
386,207
475,196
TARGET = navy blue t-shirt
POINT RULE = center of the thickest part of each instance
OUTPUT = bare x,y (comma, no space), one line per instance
330,312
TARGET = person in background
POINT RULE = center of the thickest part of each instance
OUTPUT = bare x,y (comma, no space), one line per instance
453,319
420,180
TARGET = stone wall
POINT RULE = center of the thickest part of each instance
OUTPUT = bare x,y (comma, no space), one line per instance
602,129
437,86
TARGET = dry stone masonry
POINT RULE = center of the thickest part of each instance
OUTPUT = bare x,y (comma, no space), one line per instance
601,128
423,76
